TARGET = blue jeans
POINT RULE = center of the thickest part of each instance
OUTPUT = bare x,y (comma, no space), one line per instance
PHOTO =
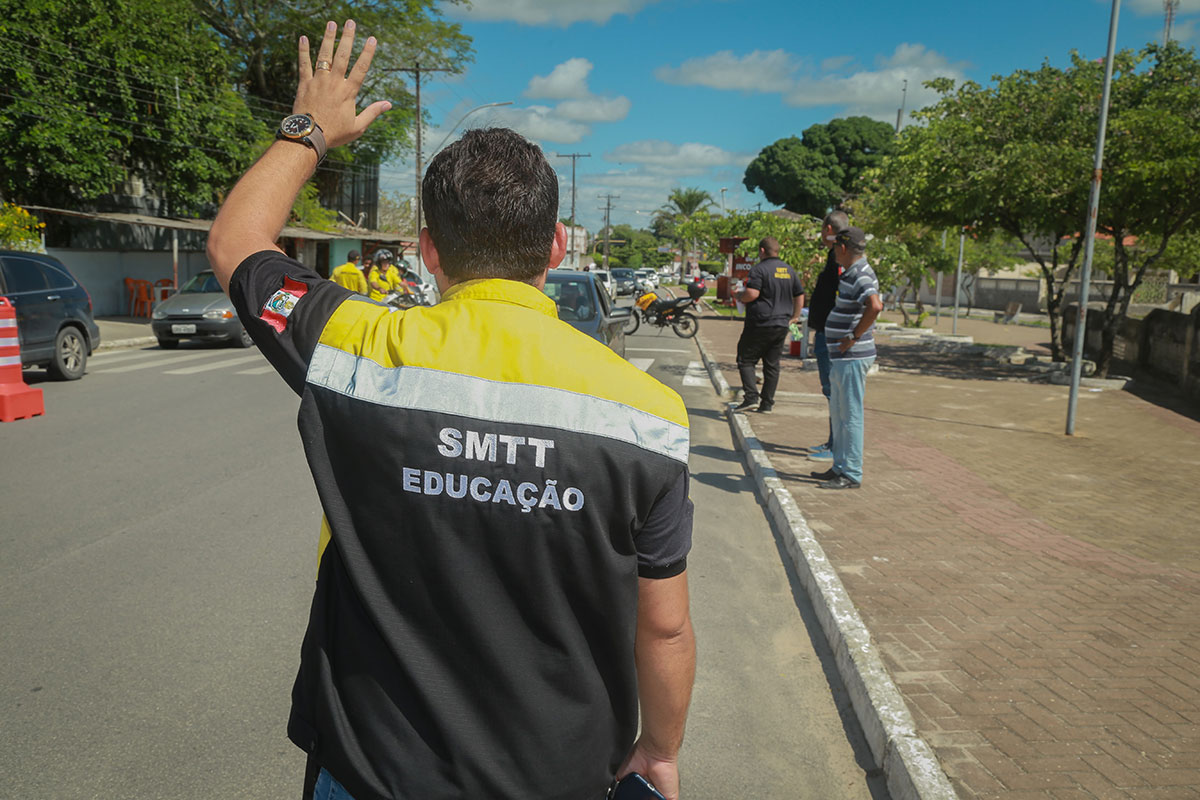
821,351
848,383
329,789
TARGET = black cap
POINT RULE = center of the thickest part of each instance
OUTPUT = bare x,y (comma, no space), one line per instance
852,237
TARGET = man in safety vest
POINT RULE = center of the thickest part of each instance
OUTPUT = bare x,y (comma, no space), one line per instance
502,570
349,274
384,277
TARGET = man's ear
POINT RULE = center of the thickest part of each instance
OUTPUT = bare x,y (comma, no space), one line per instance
558,249
433,261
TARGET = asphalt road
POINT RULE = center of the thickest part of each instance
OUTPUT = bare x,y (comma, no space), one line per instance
158,534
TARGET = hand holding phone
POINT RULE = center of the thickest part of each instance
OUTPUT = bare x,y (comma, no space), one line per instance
635,787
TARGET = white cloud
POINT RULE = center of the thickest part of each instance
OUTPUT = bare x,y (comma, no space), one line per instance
759,71
594,109
665,158
548,12
540,124
877,93
568,121
854,89
567,81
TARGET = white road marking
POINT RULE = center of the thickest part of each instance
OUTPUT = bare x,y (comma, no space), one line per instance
696,375
160,362
107,358
256,370
642,363
229,362
655,350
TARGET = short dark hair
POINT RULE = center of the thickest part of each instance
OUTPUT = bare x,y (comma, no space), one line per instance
838,220
769,245
352,255
491,204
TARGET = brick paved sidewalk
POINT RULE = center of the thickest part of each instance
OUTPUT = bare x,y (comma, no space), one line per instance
1036,597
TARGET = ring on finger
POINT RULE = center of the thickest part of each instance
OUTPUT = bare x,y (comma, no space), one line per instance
326,65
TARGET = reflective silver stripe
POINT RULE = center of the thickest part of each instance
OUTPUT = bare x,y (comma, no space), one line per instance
13,342
424,389
10,361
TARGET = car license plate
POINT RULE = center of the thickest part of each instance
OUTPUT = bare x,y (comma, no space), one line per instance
183,329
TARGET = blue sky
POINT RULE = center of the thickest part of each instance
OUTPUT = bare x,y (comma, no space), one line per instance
670,93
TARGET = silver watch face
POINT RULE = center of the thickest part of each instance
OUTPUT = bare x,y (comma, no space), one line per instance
296,126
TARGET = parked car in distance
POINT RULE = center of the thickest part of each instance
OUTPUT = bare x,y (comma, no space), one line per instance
199,310
605,279
55,327
625,279
585,304
649,276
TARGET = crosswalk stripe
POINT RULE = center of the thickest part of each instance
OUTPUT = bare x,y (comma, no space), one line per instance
696,375
256,370
159,362
655,350
642,363
229,362
122,355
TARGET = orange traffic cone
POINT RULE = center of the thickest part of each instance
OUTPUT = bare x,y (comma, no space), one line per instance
17,401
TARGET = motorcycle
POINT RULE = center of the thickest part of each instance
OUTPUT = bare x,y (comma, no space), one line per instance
414,294
661,312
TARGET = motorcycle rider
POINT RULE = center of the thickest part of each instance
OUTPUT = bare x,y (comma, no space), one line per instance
384,277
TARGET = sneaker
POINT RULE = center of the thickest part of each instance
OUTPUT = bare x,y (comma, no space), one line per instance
822,453
827,475
746,403
840,482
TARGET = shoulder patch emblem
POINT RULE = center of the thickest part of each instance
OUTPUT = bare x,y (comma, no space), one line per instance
277,309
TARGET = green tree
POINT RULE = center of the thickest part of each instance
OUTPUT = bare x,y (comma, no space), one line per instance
819,170
681,205
264,35
19,230
798,238
95,91
1016,156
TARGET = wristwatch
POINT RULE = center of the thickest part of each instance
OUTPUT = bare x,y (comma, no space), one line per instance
304,129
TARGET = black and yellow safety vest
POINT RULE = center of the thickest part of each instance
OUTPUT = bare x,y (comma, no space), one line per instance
493,485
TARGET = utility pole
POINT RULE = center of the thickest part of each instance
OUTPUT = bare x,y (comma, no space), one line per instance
416,69
607,198
724,189
903,100
1169,9
573,157
1089,239
175,231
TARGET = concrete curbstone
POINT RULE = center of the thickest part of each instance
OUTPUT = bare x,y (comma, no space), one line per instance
910,767
121,344
714,372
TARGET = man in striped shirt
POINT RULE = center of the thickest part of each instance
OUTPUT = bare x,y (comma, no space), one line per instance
849,332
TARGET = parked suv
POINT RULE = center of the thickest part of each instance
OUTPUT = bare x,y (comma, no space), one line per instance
54,313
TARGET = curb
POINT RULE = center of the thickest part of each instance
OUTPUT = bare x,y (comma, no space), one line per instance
909,765
120,344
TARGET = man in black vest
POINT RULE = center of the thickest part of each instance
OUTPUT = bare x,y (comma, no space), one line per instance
774,299
823,298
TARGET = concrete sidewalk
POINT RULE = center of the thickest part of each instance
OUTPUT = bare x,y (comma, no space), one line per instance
1035,597
119,332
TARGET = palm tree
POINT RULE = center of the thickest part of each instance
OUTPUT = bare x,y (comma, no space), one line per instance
680,205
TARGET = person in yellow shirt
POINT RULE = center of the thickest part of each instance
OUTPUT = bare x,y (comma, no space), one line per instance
384,277
349,275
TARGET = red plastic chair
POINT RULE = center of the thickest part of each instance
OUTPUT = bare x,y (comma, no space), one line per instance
163,288
143,300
